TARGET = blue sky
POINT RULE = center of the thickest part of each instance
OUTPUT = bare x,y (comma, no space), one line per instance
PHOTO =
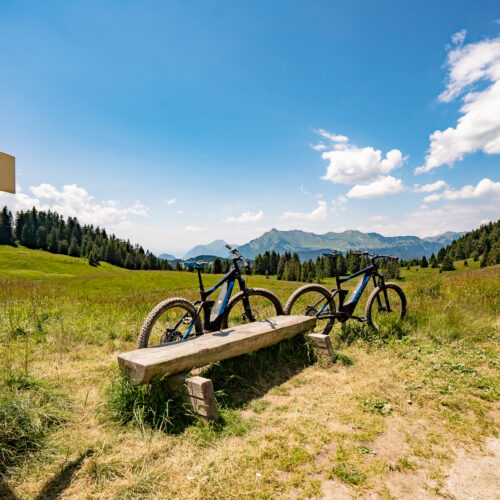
177,123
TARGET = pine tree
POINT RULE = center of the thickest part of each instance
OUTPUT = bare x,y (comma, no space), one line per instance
447,264
63,247
6,227
424,263
74,249
484,259
129,262
93,257
217,266
52,242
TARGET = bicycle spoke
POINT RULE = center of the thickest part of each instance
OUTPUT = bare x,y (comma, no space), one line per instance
313,303
386,310
172,325
260,308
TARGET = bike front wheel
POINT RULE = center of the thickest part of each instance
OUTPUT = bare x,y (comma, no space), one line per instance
315,301
169,321
250,305
385,307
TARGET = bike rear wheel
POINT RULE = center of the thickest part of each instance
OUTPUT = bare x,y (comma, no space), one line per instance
168,322
313,300
263,304
382,315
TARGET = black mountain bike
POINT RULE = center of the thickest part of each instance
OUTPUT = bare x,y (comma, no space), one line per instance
177,318
385,307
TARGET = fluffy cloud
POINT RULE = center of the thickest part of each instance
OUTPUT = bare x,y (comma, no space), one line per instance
318,213
195,229
339,203
246,217
478,129
75,201
332,137
486,188
171,201
349,164
383,186
429,188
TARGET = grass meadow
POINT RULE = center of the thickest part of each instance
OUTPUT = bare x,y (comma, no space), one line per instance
392,412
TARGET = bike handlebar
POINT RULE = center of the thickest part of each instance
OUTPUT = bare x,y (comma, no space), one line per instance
238,256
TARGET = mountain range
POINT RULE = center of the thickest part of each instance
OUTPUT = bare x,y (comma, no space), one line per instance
310,245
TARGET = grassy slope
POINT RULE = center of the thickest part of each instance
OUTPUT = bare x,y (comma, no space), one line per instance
23,263
68,321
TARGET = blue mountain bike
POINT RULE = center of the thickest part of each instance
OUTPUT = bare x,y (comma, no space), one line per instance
179,319
385,307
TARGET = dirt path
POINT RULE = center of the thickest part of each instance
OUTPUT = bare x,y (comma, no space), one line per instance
475,477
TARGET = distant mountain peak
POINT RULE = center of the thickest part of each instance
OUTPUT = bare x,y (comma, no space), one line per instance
216,247
310,245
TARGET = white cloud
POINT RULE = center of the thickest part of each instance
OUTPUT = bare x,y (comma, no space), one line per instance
465,217
318,213
429,188
318,147
350,164
458,38
478,129
246,217
339,203
171,201
383,186
331,137
181,212
485,188
195,229
303,190
75,201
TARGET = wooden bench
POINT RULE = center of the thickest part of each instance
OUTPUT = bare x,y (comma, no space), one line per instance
142,365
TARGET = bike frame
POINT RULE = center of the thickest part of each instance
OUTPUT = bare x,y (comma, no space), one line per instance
210,322
346,309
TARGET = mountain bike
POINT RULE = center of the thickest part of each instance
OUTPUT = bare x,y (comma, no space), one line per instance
385,307
178,319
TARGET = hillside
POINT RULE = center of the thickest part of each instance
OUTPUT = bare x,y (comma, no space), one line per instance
310,245
25,263
392,410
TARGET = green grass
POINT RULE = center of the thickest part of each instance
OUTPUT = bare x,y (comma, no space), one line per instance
63,322
28,410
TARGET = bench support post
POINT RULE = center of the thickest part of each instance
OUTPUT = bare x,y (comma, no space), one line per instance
323,346
199,393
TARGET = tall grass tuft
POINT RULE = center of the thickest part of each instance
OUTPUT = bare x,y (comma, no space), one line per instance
28,409
153,406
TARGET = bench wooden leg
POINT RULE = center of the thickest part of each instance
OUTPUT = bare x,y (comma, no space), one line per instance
199,394
323,346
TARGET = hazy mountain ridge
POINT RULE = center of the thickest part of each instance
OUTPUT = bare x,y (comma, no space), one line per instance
310,245
216,248
167,256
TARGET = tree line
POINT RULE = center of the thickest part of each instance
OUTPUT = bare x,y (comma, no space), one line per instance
288,266
46,230
480,244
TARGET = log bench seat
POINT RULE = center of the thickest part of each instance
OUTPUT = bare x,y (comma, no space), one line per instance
175,359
